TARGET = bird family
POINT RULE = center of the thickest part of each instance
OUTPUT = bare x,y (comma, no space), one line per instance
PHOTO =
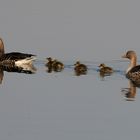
17,59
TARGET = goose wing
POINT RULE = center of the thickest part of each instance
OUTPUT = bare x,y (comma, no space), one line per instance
135,69
15,56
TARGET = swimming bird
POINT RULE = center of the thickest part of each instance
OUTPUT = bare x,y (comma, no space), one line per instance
49,64
14,58
54,65
57,65
105,69
133,70
80,68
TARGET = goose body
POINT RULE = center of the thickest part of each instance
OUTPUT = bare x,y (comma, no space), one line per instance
133,70
14,58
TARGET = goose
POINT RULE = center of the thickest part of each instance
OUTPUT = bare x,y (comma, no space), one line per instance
133,70
14,58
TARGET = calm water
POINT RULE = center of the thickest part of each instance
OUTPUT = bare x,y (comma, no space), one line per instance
62,106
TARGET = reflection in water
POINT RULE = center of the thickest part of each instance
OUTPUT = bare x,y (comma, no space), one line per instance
130,92
103,74
28,69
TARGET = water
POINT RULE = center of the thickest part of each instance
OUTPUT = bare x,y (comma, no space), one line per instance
66,106
61,105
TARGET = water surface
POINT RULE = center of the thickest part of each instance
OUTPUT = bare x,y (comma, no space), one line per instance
66,106
61,105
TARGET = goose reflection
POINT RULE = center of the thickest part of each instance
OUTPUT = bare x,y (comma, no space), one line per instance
27,69
130,92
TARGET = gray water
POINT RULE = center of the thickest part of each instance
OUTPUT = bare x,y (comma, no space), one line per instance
61,105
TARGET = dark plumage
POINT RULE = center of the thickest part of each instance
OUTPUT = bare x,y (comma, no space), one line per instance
80,69
54,65
57,66
133,71
27,69
49,64
105,69
14,58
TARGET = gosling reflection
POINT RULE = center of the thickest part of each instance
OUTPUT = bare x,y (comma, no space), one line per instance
54,65
130,92
27,69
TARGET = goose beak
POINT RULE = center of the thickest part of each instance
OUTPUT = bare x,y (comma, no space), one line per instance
123,56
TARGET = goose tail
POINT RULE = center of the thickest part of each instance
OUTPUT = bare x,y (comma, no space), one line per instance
26,61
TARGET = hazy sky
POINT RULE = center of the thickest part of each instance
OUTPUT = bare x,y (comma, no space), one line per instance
83,29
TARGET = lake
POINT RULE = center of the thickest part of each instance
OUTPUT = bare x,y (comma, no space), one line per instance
35,104
62,105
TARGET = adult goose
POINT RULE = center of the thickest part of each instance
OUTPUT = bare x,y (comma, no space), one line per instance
133,70
14,58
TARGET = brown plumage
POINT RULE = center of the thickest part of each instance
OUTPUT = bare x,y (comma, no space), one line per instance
54,65
49,64
133,70
80,68
130,92
105,69
57,66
